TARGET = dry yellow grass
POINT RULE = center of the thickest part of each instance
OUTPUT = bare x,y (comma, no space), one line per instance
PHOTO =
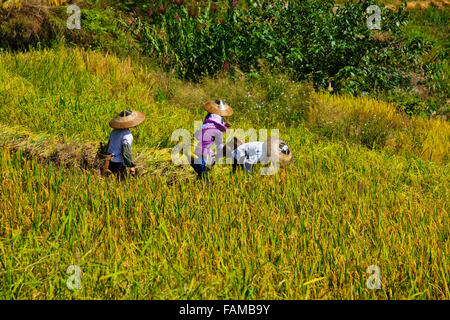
349,116
7,4
309,232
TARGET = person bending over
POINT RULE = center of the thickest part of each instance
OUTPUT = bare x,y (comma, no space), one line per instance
210,133
272,150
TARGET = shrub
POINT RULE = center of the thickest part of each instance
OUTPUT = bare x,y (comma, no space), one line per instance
361,120
304,39
409,102
32,23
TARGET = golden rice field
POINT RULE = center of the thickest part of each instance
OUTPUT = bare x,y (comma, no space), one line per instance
309,232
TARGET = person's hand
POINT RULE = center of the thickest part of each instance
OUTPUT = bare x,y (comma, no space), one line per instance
227,124
133,171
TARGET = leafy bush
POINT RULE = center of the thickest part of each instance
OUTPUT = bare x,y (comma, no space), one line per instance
304,39
34,24
432,25
409,102
101,29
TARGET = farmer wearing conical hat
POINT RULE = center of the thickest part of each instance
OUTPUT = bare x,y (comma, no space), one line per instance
270,151
210,133
120,140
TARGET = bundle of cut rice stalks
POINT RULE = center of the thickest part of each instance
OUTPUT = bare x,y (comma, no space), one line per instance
76,154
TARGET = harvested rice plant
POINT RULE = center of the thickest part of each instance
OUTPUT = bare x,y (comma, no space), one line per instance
369,184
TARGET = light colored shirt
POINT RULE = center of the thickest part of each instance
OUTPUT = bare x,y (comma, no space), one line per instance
117,139
251,153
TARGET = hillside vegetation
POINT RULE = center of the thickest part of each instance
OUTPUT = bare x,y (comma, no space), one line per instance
310,231
73,92
364,112
328,44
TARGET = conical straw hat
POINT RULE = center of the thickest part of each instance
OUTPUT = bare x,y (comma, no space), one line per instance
278,148
218,107
127,119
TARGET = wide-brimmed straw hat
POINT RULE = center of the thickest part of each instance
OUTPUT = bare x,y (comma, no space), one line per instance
127,119
277,147
218,107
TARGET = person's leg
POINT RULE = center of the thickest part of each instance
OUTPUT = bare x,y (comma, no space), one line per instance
122,174
247,167
114,167
206,170
200,168
118,169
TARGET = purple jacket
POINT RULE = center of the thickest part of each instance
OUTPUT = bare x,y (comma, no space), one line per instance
209,133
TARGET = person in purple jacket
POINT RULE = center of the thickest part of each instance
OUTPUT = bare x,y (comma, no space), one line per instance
210,133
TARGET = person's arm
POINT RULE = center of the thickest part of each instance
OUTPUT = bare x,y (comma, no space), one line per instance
127,156
107,145
239,154
234,165
218,140
126,153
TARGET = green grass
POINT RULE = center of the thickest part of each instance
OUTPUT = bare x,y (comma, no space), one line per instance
71,92
432,25
310,231
336,212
